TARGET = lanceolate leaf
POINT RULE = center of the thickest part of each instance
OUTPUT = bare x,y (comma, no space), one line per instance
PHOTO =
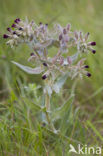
60,82
29,70
58,113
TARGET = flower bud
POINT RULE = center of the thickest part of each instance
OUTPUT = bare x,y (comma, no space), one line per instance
60,37
61,60
81,35
76,34
68,27
64,31
87,35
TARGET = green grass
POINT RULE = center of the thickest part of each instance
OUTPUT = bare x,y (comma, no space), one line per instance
21,131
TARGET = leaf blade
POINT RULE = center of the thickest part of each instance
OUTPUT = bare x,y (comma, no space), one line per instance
29,70
58,113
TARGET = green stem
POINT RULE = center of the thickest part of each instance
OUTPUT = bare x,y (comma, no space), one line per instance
47,105
47,102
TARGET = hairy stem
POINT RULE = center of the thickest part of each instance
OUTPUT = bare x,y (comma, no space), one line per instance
47,102
47,105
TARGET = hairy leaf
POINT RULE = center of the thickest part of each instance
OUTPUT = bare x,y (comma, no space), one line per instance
29,70
60,82
58,113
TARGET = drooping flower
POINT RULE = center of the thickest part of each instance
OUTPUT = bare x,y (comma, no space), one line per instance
5,36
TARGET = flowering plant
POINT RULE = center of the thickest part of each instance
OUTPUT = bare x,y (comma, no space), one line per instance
55,70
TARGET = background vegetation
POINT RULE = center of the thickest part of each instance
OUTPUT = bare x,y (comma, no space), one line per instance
21,133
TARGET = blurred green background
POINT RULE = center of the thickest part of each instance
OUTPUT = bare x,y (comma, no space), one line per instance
85,15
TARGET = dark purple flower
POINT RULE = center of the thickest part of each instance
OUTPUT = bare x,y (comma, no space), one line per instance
17,20
44,77
60,37
14,32
93,51
5,36
86,66
45,64
13,25
93,43
9,29
46,24
32,54
40,23
20,28
88,74
43,124
87,35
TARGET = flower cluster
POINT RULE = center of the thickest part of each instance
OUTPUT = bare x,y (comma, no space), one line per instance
40,39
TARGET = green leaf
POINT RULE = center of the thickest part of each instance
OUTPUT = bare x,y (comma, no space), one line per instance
89,124
60,82
48,90
34,106
29,70
58,113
